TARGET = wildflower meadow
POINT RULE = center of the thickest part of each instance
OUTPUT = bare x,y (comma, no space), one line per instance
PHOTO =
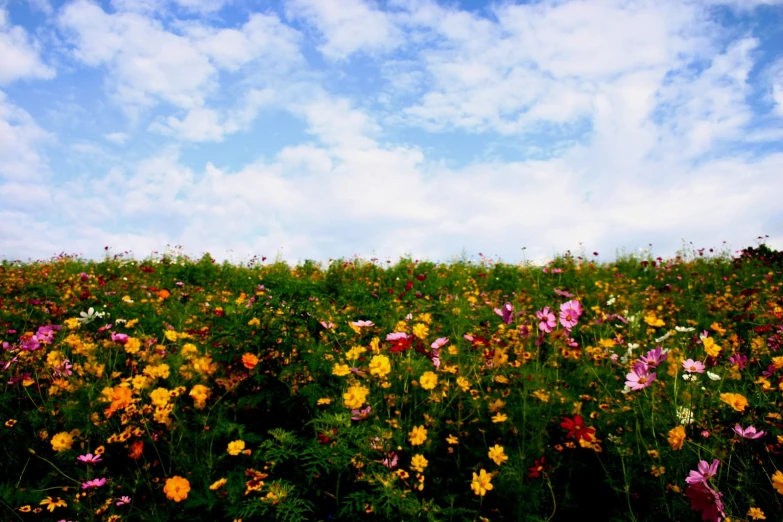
637,389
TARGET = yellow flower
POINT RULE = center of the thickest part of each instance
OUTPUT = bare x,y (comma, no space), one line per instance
355,396
451,439
710,348
421,330
497,453
777,481
418,435
160,397
677,437
541,395
500,417
380,366
177,488
756,514
27,509
652,320
418,463
236,447
481,483
132,345
355,352
171,335
219,484
72,323
62,441
324,400
428,380
463,383
735,400
52,503
254,322
200,394
341,370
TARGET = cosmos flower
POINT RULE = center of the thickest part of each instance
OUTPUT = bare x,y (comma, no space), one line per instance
749,432
547,320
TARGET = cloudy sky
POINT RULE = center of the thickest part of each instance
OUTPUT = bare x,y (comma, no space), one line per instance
329,128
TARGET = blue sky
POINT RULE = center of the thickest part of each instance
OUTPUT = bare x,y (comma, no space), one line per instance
331,128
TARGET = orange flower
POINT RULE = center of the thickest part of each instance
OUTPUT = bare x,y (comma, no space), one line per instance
136,449
120,398
735,400
177,488
164,294
249,361
677,438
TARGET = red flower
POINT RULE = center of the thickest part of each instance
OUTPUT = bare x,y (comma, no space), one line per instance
576,429
538,468
400,345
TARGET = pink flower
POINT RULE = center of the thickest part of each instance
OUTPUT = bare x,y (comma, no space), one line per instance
361,324
122,501
548,321
692,366
396,336
705,472
654,357
439,343
89,458
327,325
640,378
749,432
361,414
94,483
391,460
119,337
569,313
507,313
705,499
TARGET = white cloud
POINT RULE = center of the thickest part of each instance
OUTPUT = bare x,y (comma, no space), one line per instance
20,54
146,62
347,26
118,138
20,138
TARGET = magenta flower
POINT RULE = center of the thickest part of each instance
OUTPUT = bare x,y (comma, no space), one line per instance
89,458
705,499
654,357
548,321
122,501
507,313
640,378
705,472
692,366
119,337
749,432
94,483
739,359
569,313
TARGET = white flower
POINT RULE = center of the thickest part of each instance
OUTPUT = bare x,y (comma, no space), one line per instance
88,316
611,301
690,376
682,329
685,415
713,376
632,346
663,337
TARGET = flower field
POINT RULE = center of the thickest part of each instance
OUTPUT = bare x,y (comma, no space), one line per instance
641,389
